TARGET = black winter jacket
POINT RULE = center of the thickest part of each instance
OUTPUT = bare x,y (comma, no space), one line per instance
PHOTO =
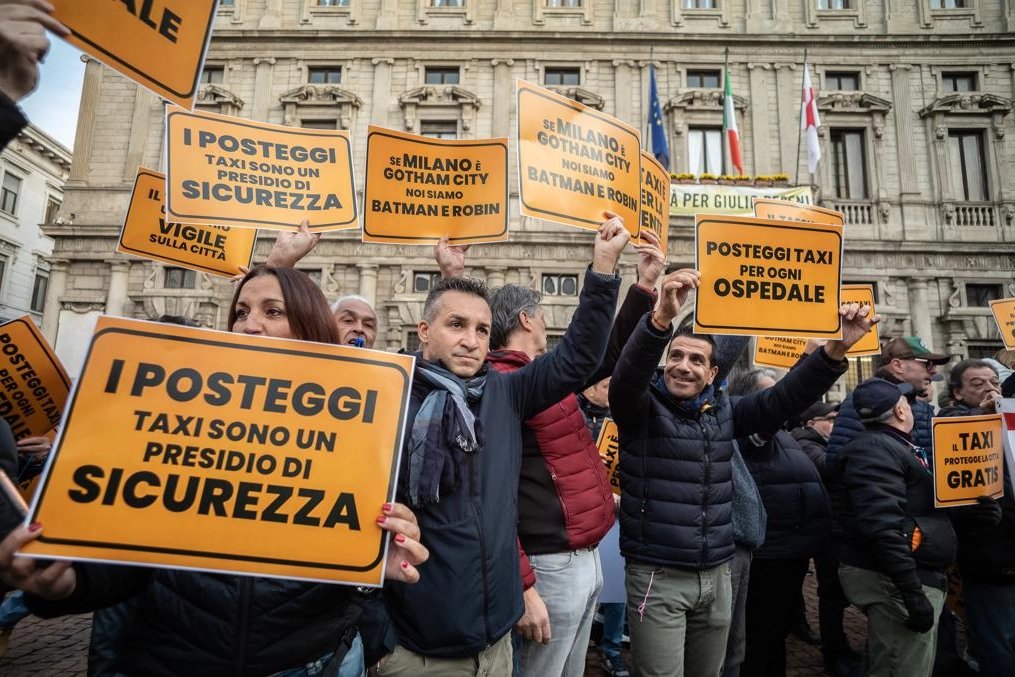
814,445
470,591
848,425
675,470
213,625
794,498
882,494
986,554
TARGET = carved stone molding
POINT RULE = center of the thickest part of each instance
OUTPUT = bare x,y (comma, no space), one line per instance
308,101
220,99
704,100
581,95
439,96
968,103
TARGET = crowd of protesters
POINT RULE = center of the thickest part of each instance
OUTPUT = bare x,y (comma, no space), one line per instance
506,535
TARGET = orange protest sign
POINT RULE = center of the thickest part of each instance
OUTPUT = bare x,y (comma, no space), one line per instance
33,383
236,172
863,294
784,210
609,450
575,162
767,277
1004,315
655,198
192,448
418,189
219,250
968,461
159,44
778,351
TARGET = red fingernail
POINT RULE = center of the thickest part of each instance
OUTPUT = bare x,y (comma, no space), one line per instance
35,526
386,507
381,519
400,538
405,565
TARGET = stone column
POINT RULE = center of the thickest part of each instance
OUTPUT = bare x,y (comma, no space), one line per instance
116,297
368,282
902,105
264,67
761,138
86,121
495,276
382,91
56,288
919,312
503,91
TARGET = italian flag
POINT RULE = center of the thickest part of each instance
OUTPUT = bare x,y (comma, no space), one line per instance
729,126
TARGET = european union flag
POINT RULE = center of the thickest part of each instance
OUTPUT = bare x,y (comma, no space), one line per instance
660,147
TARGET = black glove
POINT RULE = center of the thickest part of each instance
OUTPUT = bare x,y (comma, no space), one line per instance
921,612
986,513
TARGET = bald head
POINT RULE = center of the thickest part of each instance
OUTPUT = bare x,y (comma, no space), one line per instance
355,318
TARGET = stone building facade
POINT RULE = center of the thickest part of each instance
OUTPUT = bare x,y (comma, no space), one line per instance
917,139
33,168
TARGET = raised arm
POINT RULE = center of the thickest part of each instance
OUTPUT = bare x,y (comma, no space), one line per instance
547,379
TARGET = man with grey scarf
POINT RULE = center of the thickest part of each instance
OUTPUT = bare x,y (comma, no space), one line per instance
461,466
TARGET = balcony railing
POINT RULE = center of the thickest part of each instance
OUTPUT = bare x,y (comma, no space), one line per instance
970,214
857,212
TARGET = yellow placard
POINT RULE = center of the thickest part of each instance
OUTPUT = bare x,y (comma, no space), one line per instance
1004,315
33,383
688,199
236,172
863,294
768,278
219,250
159,44
655,193
418,189
575,162
192,448
781,352
968,459
609,450
784,210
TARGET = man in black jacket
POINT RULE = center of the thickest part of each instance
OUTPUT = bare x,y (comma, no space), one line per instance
892,544
461,467
676,445
986,534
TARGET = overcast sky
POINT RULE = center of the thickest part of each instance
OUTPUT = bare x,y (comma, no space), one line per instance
53,107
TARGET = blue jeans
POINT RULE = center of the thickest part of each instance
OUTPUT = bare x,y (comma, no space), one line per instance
990,612
352,664
12,610
613,627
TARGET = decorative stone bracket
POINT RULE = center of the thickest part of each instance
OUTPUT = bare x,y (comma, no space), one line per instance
439,96
320,100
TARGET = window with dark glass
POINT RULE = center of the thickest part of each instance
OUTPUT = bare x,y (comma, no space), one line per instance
842,81
39,292
52,209
560,285
704,79
180,278
699,4
958,81
442,75
324,75
423,281
562,76
563,3
439,129
836,4
447,3
212,75
849,163
332,3
980,295
319,124
949,4
9,192
966,165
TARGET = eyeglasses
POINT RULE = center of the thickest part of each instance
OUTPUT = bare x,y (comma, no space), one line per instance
927,363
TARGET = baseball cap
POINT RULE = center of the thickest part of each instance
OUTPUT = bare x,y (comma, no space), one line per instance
875,396
910,347
818,410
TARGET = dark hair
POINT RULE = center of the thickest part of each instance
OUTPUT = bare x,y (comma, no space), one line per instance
687,332
307,310
960,368
465,285
506,304
178,319
746,382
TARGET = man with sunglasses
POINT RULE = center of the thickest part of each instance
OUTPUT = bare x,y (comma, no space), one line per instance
903,360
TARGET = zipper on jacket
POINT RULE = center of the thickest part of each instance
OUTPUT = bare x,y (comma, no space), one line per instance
243,623
707,462
560,499
482,547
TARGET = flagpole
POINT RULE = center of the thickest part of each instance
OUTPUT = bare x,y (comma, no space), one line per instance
799,127
727,157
